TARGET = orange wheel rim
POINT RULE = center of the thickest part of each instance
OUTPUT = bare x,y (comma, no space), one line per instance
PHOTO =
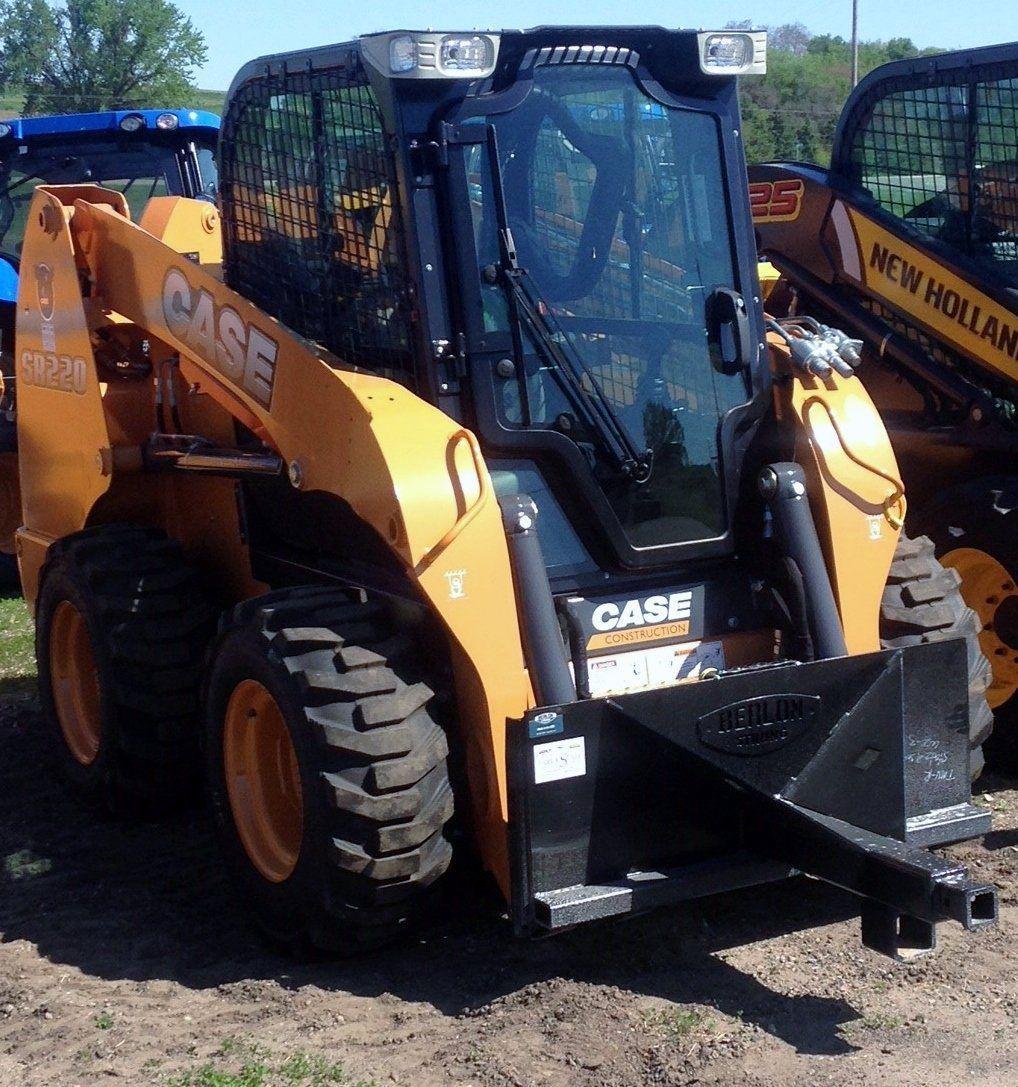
990,591
263,781
75,683
10,502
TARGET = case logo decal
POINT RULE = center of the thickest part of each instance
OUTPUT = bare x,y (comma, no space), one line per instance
632,622
242,353
44,290
637,613
610,624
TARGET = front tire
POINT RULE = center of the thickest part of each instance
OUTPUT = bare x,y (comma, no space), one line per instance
923,603
326,769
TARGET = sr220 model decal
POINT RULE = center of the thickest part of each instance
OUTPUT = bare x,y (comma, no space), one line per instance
776,201
47,370
243,354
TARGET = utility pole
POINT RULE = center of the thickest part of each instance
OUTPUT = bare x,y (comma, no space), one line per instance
855,42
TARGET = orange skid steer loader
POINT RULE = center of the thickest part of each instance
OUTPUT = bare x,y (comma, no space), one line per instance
452,484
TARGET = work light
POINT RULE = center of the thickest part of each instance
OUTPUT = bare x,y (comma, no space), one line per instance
429,55
167,121
466,54
132,122
733,52
402,54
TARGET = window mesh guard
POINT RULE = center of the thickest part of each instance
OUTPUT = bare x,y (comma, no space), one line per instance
943,158
312,227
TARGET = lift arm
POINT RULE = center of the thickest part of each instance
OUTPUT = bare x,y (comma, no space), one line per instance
409,472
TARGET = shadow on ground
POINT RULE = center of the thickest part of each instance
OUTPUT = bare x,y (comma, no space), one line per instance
150,902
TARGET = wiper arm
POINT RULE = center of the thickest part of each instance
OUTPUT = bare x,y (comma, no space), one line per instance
582,387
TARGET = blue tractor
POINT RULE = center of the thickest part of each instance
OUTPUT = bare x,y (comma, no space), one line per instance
142,153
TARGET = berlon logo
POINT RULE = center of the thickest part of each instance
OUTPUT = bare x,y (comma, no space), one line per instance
44,289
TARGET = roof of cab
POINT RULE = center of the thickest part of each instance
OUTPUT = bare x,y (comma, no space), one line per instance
74,124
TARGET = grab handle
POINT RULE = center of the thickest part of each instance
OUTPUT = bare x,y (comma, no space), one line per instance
889,503
483,494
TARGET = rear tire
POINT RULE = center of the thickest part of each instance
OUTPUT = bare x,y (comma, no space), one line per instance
923,603
10,510
121,629
10,580
371,775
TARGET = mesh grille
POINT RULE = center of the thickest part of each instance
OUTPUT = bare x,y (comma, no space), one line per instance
313,234
940,152
913,152
996,194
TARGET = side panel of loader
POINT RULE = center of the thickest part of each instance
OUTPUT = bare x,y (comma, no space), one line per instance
409,472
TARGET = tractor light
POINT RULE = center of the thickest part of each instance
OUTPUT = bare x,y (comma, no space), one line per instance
167,121
5,130
733,53
402,55
475,53
422,54
132,122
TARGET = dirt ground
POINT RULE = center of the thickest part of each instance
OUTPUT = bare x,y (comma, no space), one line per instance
123,957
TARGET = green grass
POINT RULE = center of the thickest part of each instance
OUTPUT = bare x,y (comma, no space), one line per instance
17,647
247,1064
881,1021
678,1023
104,1020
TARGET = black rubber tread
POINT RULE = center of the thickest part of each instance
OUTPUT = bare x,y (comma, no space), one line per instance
149,626
10,579
922,603
983,514
373,761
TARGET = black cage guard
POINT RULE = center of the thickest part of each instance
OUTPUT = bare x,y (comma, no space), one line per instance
312,229
936,144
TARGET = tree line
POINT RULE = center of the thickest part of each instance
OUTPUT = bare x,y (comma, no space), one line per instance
793,110
68,56
78,56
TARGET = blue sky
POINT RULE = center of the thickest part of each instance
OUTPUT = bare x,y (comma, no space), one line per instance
237,30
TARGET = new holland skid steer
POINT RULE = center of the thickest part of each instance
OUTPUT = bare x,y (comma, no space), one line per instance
910,243
461,493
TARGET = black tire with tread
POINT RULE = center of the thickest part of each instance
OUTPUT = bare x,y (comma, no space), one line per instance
372,761
149,625
984,514
9,578
922,603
